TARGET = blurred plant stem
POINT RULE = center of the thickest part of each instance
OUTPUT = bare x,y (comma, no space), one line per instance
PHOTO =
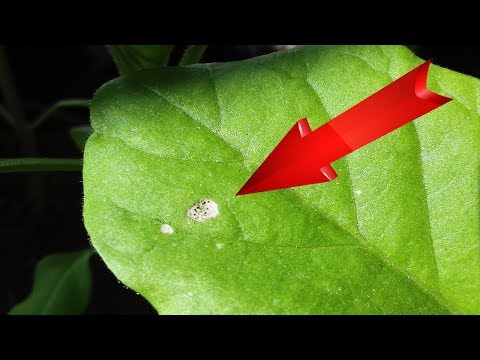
25,134
192,55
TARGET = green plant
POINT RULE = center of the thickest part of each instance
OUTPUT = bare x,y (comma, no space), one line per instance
53,291
396,232
62,285
62,282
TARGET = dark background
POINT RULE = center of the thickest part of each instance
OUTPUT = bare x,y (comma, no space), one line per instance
46,74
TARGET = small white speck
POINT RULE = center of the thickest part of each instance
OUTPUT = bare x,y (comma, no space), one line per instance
190,294
358,192
219,246
203,210
166,229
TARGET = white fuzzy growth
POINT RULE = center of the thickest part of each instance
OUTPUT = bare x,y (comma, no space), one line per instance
219,246
358,192
166,229
203,210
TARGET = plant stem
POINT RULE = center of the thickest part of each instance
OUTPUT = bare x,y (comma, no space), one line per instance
25,134
7,116
192,54
58,105
39,164
9,91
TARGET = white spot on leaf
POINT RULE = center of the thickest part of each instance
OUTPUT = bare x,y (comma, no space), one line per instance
219,246
166,229
203,210
358,192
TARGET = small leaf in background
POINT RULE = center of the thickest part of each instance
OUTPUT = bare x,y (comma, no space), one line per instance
396,232
61,286
131,58
80,134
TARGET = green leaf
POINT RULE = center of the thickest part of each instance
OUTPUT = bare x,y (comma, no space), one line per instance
131,58
396,232
39,164
80,134
61,286
192,54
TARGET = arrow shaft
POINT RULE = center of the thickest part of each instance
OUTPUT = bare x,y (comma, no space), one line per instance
303,157
393,106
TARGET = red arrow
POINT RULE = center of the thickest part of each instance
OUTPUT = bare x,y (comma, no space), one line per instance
303,157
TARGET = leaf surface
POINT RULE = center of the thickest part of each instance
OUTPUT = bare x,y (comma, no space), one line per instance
396,232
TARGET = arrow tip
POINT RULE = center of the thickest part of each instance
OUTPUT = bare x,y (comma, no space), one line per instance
283,169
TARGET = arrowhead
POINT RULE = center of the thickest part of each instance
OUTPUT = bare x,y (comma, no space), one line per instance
284,167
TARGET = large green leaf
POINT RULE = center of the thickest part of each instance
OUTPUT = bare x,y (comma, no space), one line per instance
61,286
396,232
